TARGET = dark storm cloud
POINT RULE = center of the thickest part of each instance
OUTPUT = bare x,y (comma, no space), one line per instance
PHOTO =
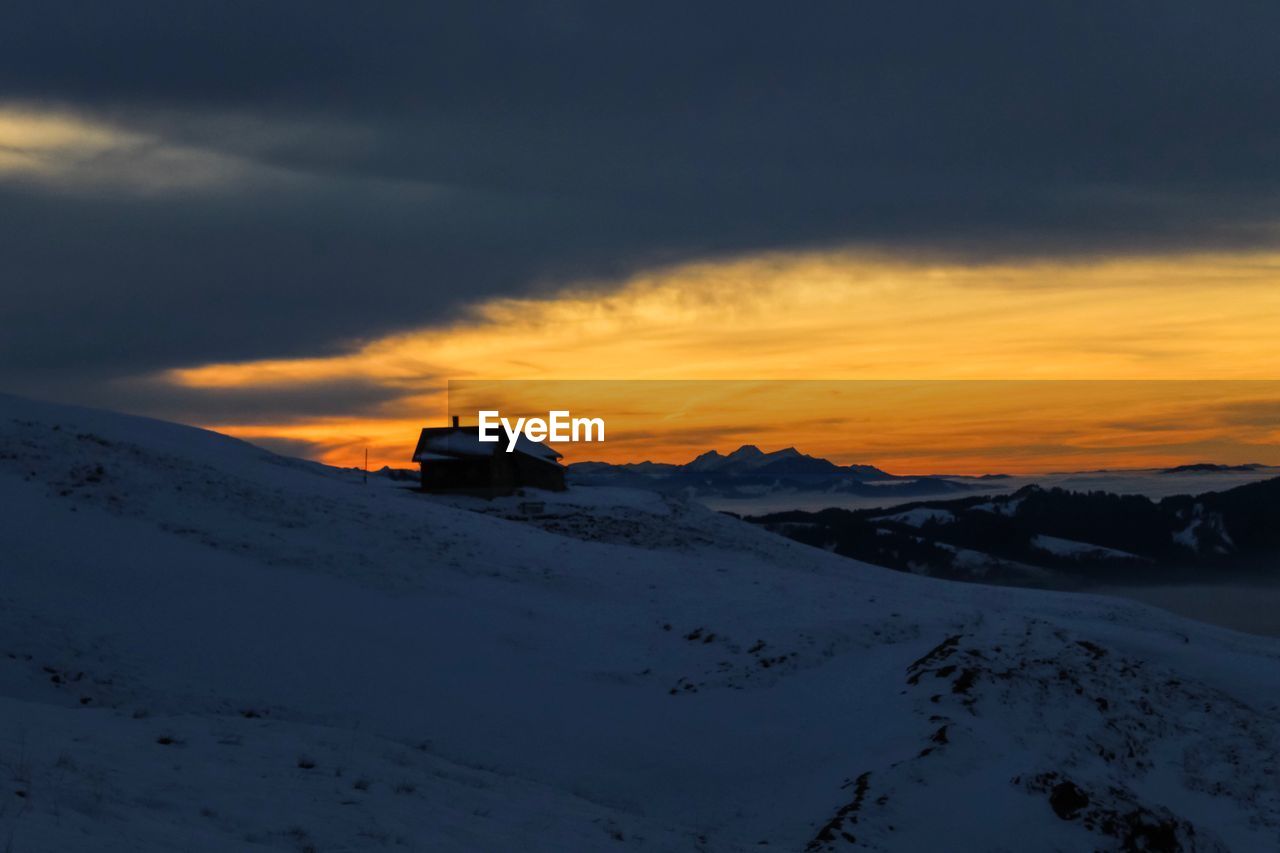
393,163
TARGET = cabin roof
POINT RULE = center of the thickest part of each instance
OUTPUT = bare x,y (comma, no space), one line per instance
442,443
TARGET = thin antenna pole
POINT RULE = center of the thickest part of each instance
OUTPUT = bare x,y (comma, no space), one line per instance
366,466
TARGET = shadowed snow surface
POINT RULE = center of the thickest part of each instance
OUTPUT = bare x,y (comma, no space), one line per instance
208,647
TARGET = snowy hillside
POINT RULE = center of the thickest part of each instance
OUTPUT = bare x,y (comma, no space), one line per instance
1056,538
206,647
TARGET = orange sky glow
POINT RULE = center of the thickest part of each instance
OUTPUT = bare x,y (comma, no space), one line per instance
845,316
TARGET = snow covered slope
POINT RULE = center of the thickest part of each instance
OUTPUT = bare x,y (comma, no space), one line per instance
206,647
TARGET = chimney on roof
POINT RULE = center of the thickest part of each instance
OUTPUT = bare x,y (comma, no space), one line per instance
455,421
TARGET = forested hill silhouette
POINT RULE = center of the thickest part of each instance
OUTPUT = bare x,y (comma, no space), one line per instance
1056,537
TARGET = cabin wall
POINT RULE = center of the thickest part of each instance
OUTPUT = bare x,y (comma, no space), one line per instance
490,476
539,475
458,476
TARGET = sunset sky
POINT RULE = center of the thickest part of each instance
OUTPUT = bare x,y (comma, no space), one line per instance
806,318
297,223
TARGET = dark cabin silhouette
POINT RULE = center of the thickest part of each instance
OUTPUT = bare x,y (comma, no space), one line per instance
455,461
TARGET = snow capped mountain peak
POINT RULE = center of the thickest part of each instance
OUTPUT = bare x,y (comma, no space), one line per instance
749,473
708,461
746,457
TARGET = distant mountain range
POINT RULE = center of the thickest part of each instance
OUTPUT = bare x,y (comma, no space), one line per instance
749,472
1059,538
1211,468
